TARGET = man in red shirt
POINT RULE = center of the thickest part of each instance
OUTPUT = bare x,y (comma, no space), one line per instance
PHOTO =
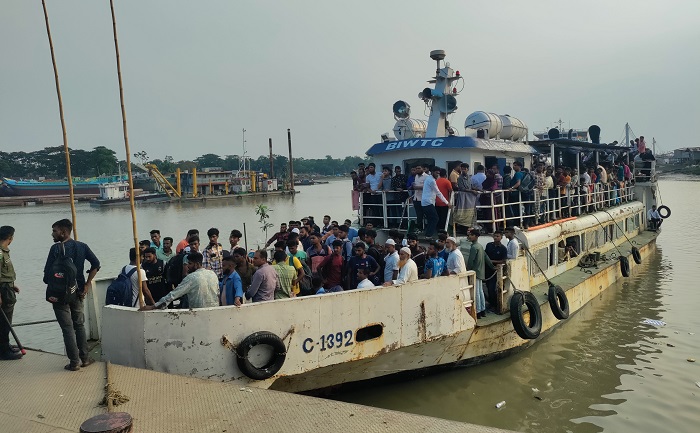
445,187
331,268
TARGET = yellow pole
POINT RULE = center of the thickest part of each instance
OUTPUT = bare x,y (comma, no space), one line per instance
194,182
128,155
66,151
211,191
226,188
179,187
252,181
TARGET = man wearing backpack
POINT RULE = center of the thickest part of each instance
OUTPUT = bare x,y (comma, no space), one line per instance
67,259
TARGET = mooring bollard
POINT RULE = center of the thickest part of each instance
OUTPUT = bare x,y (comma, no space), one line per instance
113,422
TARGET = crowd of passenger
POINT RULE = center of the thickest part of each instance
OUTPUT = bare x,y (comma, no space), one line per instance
304,259
511,194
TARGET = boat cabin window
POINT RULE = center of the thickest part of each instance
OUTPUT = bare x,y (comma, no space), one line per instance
574,242
541,256
552,257
493,160
636,221
610,232
600,237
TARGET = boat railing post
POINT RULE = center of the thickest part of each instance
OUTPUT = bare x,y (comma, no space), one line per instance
362,208
520,207
500,284
493,212
385,211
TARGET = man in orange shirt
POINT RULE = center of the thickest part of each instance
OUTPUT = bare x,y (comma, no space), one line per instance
445,187
185,242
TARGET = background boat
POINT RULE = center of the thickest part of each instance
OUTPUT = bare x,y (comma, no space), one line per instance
36,188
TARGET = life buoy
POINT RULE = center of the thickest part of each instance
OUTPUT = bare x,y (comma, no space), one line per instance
636,255
624,266
526,331
558,302
664,211
279,354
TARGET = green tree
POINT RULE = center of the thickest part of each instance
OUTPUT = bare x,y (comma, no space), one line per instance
104,160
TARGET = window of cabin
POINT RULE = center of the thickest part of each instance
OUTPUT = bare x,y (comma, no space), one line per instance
575,242
552,255
541,256
410,163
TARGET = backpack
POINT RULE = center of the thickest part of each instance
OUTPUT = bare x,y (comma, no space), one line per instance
119,291
304,283
173,276
527,183
62,282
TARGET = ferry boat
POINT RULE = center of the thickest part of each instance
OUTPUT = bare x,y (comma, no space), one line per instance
315,342
117,194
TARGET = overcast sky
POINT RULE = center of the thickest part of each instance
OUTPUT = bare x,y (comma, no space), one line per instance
197,72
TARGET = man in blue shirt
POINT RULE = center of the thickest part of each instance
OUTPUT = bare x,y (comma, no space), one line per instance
434,266
231,286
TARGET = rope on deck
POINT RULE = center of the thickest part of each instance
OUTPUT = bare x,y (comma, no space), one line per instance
112,396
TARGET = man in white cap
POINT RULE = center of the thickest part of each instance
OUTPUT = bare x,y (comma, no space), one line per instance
455,261
408,271
391,261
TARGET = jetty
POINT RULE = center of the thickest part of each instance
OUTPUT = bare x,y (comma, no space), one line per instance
39,396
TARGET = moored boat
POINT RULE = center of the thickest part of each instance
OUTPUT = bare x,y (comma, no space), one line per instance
35,188
320,341
117,194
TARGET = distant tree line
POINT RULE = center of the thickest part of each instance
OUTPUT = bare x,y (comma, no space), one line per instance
51,163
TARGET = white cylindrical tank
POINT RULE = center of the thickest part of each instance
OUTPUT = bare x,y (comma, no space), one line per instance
482,120
410,128
513,128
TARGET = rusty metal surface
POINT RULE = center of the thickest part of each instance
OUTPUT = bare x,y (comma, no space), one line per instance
165,403
38,395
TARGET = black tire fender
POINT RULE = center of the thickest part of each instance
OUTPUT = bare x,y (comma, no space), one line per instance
524,330
272,366
624,266
636,255
664,211
558,302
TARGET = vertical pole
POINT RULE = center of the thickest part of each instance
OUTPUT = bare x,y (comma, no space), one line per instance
578,173
178,182
66,151
194,182
551,155
128,154
272,162
291,161
245,238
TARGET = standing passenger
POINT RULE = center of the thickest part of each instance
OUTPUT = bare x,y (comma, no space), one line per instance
286,276
455,261
213,253
434,266
430,192
264,283
477,262
230,287
8,294
70,314
391,261
167,252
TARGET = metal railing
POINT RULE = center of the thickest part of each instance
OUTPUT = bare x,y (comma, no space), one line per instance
502,208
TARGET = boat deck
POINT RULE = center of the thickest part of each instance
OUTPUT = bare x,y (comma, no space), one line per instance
38,396
569,279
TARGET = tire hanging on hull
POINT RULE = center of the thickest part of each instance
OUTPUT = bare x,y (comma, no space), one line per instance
624,266
636,255
279,354
526,331
664,211
558,302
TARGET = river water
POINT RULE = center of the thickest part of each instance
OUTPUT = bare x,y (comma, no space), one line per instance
602,370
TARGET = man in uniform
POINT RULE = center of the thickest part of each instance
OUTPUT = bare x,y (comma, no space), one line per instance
8,294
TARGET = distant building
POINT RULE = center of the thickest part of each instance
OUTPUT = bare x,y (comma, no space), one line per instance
688,155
